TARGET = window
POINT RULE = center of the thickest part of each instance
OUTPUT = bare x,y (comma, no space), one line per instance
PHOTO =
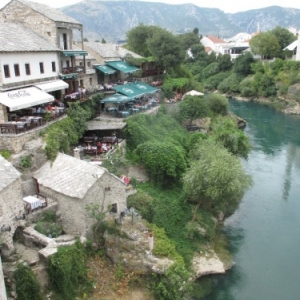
80,64
27,69
89,64
91,81
68,63
42,68
114,208
53,66
17,70
65,41
6,71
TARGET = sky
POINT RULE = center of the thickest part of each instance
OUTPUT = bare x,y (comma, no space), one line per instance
229,6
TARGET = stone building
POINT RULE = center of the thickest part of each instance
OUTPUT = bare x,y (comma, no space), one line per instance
55,26
11,204
105,52
74,184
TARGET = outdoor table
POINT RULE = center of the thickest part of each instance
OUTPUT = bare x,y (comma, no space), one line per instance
134,110
33,201
123,113
112,110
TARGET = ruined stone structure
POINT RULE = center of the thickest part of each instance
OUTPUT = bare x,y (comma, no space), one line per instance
75,184
11,205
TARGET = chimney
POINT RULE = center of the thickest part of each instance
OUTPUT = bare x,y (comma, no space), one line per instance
77,153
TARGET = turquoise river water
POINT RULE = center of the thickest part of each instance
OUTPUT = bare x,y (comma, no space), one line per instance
264,233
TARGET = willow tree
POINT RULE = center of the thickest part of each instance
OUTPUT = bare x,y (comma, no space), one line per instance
215,180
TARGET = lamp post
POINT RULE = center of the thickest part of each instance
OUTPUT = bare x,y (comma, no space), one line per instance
132,215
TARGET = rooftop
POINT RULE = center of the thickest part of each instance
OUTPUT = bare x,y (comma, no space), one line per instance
16,37
49,12
8,173
68,175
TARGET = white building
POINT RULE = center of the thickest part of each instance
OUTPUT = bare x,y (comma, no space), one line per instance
27,62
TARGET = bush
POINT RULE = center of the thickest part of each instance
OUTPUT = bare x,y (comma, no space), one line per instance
218,104
27,286
25,162
5,153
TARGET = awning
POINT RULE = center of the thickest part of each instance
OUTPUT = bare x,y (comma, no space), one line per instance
122,66
68,76
146,88
23,98
74,53
105,69
52,86
128,90
116,98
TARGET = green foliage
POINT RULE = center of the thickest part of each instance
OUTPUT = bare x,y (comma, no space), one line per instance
218,104
175,84
192,108
143,203
226,132
173,285
166,49
210,70
266,44
211,83
68,273
216,179
48,228
164,161
230,84
283,36
27,286
188,39
247,87
242,64
5,153
265,84
25,162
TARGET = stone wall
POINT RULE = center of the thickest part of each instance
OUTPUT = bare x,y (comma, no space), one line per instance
2,284
36,21
3,113
11,205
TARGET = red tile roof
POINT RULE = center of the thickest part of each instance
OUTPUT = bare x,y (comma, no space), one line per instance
214,39
208,49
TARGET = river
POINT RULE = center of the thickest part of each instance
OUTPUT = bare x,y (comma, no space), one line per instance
263,234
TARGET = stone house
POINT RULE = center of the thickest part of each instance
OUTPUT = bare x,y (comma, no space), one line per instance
106,52
11,204
74,184
55,26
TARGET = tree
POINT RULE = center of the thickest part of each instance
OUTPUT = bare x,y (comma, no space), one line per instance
188,39
226,132
166,49
218,104
266,44
85,40
242,64
225,63
196,31
216,179
193,107
283,36
230,84
164,161
103,41
137,38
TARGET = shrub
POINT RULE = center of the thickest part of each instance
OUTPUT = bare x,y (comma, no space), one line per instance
5,153
25,162
218,104
27,286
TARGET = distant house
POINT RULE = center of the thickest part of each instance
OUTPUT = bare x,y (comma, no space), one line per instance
212,42
11,204
75,184
234,46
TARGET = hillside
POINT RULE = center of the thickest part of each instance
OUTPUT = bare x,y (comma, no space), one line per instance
112,19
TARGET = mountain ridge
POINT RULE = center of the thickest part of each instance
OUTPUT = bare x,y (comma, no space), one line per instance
112,19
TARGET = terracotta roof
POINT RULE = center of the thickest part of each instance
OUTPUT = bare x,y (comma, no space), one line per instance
208,49
15,37
8,173
68,175
215,39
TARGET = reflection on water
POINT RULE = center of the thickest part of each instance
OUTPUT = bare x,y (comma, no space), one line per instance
263,233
